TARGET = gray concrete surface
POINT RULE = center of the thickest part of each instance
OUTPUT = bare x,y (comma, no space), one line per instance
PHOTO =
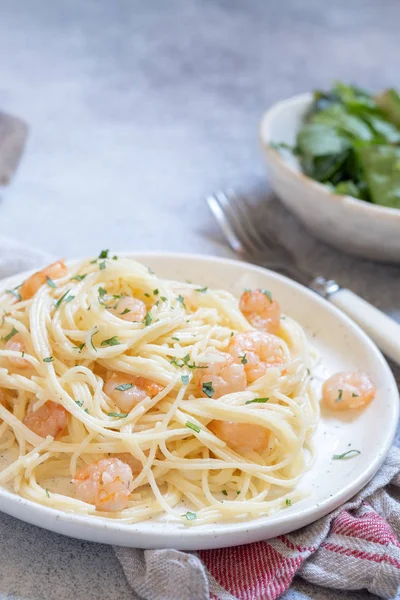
137,109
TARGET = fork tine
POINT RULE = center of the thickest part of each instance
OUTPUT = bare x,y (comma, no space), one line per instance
268,240
244,210
225,226
236,222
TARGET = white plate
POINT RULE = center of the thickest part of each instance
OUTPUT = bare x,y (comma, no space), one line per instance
343,346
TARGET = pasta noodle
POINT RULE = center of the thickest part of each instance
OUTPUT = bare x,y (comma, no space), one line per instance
200,450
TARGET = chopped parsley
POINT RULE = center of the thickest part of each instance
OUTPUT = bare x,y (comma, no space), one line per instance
63,297
147,295
208,389
185,379
237,493
50,282
102,265
126,311
148,319
124,386
232,333
22,353
15,293
202,290
339,396
48,359
346,455
11,334
112,341
181,299
190,516
243,359
163,298
79,277
79,403
353,395
104,254
47,493
268,294
224,492
102,292
175,338
156,292
288,502
91,340
257,400
308,372
80,347
115,257
185,362
119,415
193,426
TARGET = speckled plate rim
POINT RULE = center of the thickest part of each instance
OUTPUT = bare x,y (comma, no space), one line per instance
102,530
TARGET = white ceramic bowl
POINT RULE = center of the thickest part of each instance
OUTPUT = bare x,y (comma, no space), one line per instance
329,483
354,226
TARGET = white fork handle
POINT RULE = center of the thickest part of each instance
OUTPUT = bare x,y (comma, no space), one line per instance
383,330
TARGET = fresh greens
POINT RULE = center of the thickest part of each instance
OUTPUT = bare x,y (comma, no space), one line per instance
350,141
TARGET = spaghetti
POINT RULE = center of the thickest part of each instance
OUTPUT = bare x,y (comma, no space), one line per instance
154,397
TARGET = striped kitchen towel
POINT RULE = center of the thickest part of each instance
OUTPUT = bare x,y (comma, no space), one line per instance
354,548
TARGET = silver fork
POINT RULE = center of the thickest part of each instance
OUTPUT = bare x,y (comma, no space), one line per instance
233,214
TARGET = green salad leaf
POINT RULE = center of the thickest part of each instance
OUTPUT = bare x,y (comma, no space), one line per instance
350,141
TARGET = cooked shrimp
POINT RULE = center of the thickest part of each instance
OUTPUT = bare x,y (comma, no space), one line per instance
257,351
35,281
241,436
105,484
135,464
348,390
262,312
49,419
224,377
129,309
17,345
133,390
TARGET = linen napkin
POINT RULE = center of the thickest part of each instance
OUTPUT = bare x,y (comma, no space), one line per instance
354,548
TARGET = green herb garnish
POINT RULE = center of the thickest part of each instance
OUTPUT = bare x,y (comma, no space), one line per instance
208,389
11,334
257,401
124,386
126,311
224,492
60,300
181,299
48,359
193,426
91,340
288,502
79,403
147,295
119,415
185,379
353,395
243,359
113,341
47,493
339,396
80,347
50,282
163,298
102,265
190,516
268,294
15,293
104,254
346,455
102,292
175,338
202,290
79,277
148,319
156,292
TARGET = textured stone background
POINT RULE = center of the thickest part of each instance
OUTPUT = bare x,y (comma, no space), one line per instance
137,110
